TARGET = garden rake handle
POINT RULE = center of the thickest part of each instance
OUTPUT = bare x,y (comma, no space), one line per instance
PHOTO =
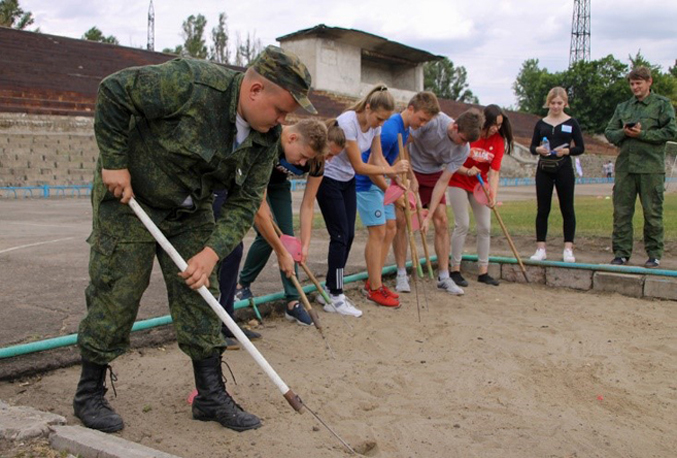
311,311
419,210
304,299
288,394
407,214
505,230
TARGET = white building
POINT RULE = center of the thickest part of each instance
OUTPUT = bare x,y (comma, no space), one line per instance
350,62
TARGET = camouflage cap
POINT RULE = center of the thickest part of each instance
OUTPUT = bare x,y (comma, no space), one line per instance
285,69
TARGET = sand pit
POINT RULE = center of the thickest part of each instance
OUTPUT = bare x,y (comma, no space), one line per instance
513,371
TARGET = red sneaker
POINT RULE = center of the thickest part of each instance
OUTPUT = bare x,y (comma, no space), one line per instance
391,293
381,297
367,288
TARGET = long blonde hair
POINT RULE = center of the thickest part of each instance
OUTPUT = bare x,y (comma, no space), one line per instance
378,98
557,91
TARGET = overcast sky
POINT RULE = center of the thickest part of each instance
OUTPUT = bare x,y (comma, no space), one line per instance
490,38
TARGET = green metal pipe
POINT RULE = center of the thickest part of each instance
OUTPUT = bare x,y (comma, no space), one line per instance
71,339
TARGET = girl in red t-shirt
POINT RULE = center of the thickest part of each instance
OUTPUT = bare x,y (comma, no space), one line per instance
485,156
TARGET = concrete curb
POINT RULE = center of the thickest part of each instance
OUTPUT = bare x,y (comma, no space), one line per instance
18,423
89,443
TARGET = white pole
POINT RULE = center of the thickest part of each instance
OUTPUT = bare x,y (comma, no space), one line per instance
293,400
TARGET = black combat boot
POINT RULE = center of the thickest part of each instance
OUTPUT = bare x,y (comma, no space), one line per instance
90,405
213,403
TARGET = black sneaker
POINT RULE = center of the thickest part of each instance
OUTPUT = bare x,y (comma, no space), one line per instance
242,294
652,262
232,344
298,314
488,279
458,279
251,335
619,261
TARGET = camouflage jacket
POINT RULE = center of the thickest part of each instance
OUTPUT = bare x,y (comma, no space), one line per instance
646,153
173,126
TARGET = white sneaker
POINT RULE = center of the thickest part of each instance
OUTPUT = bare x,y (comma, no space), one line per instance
340,304
449,286
320,298
539,255
568,255
402,285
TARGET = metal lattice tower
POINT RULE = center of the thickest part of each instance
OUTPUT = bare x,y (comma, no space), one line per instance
580,32
150,45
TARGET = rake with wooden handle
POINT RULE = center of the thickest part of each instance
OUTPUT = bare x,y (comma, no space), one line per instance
505,230
419,211
292,398
415,264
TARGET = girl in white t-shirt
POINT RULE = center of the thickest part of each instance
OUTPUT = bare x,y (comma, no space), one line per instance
361,124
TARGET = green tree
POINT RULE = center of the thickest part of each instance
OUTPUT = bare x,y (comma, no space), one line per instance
219,51
595,88
94,34
246,50
673,70
448,81
178,50
11,15
531,86
193,35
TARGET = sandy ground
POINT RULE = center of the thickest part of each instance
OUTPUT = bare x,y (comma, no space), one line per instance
512,371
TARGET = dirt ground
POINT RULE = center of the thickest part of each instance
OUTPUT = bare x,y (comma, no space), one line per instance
510,371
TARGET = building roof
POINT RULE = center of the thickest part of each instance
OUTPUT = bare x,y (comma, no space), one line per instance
371,45
48,74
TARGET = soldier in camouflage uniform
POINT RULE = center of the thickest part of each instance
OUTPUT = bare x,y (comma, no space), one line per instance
640,127
171,135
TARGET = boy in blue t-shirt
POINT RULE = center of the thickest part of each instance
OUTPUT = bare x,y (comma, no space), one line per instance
370,190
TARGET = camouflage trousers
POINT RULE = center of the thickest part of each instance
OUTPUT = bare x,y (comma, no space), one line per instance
649,188
120,273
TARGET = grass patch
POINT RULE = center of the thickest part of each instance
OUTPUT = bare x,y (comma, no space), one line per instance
594,218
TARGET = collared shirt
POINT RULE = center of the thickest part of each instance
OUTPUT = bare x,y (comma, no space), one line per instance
646,153
173,127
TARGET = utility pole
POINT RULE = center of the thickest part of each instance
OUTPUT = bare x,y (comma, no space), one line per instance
580,32
150,45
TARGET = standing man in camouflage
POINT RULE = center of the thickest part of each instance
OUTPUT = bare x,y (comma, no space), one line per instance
171,135
640,127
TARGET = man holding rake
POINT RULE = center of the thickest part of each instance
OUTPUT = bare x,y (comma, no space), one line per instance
171,135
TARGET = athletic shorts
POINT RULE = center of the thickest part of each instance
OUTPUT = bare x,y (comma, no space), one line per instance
426,184
371,208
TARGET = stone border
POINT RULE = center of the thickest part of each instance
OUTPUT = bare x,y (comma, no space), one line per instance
628,284
18,423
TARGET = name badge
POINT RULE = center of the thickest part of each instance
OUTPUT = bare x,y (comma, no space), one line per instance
566,129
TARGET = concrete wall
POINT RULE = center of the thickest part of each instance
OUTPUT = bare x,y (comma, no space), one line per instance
46,150
334,66
377,72
338,67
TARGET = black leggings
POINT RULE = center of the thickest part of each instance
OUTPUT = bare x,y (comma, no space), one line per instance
338,203
563,180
